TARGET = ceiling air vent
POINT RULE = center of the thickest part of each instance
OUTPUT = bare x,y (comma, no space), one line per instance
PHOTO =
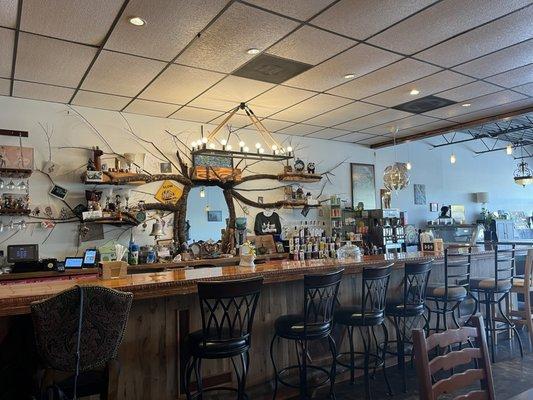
271,69
424,104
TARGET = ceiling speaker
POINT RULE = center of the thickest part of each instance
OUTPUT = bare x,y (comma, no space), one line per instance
424,104
272,69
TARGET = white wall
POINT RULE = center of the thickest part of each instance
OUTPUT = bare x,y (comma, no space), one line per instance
445,184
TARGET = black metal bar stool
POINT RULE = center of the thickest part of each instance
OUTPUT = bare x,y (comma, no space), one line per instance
99,315
495,290
365,317
316,323
406,310
448,296
228,309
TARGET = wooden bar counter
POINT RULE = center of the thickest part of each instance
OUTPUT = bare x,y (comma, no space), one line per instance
165,309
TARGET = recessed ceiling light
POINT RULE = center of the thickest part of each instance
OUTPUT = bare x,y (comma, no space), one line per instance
466,104
137,21
414,92
349,76
253,51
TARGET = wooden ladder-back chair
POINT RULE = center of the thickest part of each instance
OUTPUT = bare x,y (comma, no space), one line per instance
478,355
524,286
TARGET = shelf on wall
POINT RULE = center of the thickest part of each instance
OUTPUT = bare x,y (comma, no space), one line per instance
299,177
14,211
17,173
113,178
125,219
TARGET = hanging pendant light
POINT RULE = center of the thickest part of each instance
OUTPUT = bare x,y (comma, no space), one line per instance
396,176
453,159
522,174
509,149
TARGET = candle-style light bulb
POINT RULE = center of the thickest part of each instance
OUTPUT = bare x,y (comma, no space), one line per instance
246,149
261,150
224,142
193,145
204,140
228,147
289,149
258,146
212,146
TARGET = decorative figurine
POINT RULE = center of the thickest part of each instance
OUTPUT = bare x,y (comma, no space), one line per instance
311,168
90,165
299,165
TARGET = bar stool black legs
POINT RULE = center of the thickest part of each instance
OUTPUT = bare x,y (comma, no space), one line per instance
315,324
228,310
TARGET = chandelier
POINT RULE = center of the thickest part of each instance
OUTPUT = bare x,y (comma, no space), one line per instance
522,174
396,177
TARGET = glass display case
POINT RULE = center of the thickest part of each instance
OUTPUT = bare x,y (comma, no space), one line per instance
461,234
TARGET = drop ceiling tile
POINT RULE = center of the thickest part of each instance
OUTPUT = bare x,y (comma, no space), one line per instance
496,35
300,130
401,124
52,61
310,45
356,136
230,92
526,89
77,20
442,21
100,100
7,38
345,113
426,86
362,18
425,128
388,77
195,114
180,84
480,103
238,121
5,87
299,9
489,112
328,133
311,107
358,61
222,47
277,99
172,24
152,108
514,77
470,91
500,61
121,74
371,141
378,118
38,91
274,125
8,16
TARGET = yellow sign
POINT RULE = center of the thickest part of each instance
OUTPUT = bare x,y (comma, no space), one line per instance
168,193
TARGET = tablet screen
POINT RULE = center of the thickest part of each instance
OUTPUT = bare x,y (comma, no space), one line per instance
89,258
73,262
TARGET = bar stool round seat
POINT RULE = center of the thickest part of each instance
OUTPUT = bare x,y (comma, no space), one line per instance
455,293
292,327
216,346
490,284
353,315
396,307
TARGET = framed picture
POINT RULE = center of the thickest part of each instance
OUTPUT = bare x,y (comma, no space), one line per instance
94,176
420,194
214,216
165,167
434,207
59,192
363,185
16,157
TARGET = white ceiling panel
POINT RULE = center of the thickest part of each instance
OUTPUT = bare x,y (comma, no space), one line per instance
222,47
402,124
274,125
371,141
514,77
300,130
480,103
77,20
310,45
526,89
180,84
195,114
500,61
299,9
388,77
238,121
356,136
52,61
152,108
99,100
489,112
172,24
362,18
5,87
442,21
328,133
358,61
345,113
426,86
277,99
425,128
470,91
37,91
309,108
7,38
8,16
121,74
503,32
373,119
229,93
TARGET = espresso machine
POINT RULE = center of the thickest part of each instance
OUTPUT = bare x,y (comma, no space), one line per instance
386,229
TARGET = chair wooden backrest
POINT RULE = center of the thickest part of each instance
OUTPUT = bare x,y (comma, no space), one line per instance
528,271
481,371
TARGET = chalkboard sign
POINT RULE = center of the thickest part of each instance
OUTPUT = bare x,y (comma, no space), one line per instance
212,161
